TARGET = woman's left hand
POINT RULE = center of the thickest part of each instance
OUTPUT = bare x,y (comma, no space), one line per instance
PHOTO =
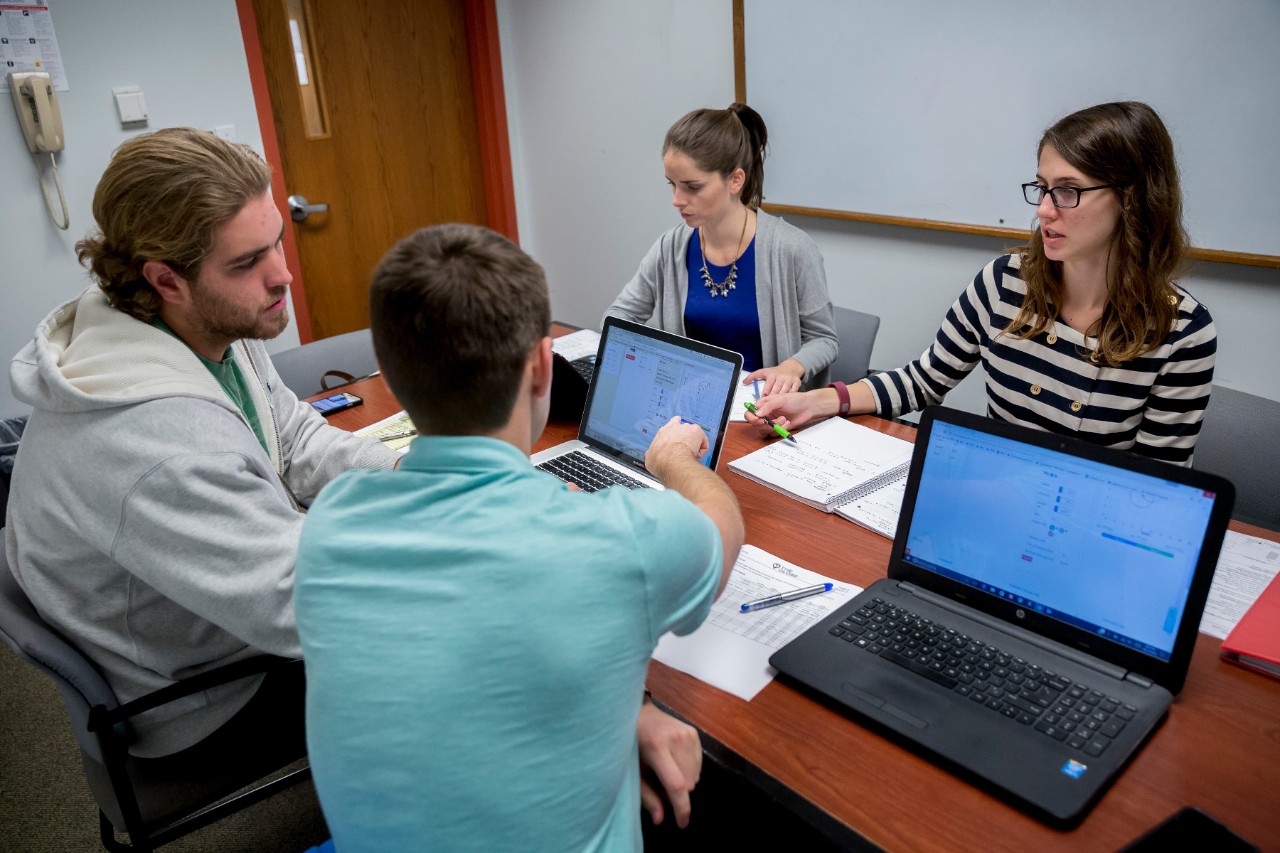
783,379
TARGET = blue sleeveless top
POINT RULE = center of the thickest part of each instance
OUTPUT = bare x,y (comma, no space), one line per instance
731,321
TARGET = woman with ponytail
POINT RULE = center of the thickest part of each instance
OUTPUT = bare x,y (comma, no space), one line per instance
731,274
1083,330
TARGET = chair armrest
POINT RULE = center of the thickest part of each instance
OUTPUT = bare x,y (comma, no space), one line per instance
102,717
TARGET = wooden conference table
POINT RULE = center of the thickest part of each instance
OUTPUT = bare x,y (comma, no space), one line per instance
1218,750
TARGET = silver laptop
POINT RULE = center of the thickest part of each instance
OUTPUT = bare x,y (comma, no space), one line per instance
1043,599
643,377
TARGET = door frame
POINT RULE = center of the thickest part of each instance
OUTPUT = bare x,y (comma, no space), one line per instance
485,54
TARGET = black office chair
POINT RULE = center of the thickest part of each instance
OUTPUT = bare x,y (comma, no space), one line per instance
1238,439
10,434
153,807
326,363
857,334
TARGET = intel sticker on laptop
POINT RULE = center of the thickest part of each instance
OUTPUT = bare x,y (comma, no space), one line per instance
1074,768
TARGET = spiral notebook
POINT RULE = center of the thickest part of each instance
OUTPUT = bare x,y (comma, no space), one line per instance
837,466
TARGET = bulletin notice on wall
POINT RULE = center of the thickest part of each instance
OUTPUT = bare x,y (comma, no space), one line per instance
27,42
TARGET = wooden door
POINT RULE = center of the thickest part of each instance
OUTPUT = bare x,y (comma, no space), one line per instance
375,117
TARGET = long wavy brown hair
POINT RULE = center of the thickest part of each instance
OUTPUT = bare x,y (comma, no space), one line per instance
1125,144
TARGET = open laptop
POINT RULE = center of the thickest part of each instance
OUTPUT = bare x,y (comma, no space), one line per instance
643,377
1042,603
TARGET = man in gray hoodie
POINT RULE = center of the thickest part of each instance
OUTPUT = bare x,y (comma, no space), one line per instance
158,490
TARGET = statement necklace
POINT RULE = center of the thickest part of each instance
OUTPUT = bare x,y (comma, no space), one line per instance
722,288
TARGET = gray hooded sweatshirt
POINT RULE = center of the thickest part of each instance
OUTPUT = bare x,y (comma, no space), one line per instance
147,523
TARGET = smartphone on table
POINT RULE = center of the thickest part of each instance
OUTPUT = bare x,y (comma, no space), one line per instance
336,403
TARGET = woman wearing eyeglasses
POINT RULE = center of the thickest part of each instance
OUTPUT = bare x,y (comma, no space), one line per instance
1083,330
731,274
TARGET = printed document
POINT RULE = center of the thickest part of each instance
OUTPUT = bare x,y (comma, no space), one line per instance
1245,567
731,649
576,345
394,425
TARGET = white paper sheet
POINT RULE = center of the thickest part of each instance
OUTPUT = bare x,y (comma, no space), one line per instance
1245,567
826,462
878,511
576,345
745,394
731,649
391,426
28,42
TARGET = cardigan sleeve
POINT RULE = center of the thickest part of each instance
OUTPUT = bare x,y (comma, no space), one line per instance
818,341
803,326
639,298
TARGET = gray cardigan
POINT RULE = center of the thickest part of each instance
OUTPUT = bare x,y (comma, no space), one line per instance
791,294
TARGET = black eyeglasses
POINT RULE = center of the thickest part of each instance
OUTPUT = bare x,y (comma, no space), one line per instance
1062,196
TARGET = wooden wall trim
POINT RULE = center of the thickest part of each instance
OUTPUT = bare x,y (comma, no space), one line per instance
271,150
1219,256
1019,235
491,115
739,53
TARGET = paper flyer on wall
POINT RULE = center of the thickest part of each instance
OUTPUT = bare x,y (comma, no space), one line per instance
28,43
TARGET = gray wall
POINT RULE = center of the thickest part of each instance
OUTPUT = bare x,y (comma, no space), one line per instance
592,88
188,57
931,109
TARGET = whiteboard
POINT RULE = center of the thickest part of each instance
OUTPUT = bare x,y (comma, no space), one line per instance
932,109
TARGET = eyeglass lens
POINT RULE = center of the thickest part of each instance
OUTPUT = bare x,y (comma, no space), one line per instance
1062,196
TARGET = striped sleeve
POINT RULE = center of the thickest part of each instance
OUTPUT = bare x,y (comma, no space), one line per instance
1180,393
1151,405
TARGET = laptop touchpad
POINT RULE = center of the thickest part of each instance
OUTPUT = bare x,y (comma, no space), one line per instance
893,698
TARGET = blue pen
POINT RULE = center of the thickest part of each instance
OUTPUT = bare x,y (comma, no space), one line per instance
784,597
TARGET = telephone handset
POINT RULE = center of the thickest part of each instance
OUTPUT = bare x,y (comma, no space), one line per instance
38,112
41,121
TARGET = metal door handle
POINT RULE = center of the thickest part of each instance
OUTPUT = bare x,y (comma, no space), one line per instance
300,210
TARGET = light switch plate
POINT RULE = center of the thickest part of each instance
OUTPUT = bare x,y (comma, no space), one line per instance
131,106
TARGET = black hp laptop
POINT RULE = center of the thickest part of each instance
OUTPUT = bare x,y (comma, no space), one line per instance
643,377
1042,603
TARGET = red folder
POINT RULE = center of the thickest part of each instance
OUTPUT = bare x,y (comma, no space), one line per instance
1255,640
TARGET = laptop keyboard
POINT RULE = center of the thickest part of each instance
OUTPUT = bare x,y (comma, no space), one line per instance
589,474
585,367
1067,711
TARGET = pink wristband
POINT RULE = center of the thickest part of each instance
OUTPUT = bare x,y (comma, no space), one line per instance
843,393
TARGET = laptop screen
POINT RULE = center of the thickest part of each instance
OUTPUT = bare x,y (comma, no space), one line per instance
643,378
1100,548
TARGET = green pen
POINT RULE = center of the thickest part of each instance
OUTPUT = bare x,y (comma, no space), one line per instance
751,407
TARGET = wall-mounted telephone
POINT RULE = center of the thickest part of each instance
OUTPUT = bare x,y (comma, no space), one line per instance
41,121
38,112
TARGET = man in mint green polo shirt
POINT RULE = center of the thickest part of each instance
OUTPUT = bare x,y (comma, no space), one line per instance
476,635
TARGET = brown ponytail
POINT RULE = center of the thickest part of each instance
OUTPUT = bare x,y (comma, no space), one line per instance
723,140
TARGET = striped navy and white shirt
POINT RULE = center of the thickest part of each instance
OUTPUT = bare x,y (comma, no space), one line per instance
1151,405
